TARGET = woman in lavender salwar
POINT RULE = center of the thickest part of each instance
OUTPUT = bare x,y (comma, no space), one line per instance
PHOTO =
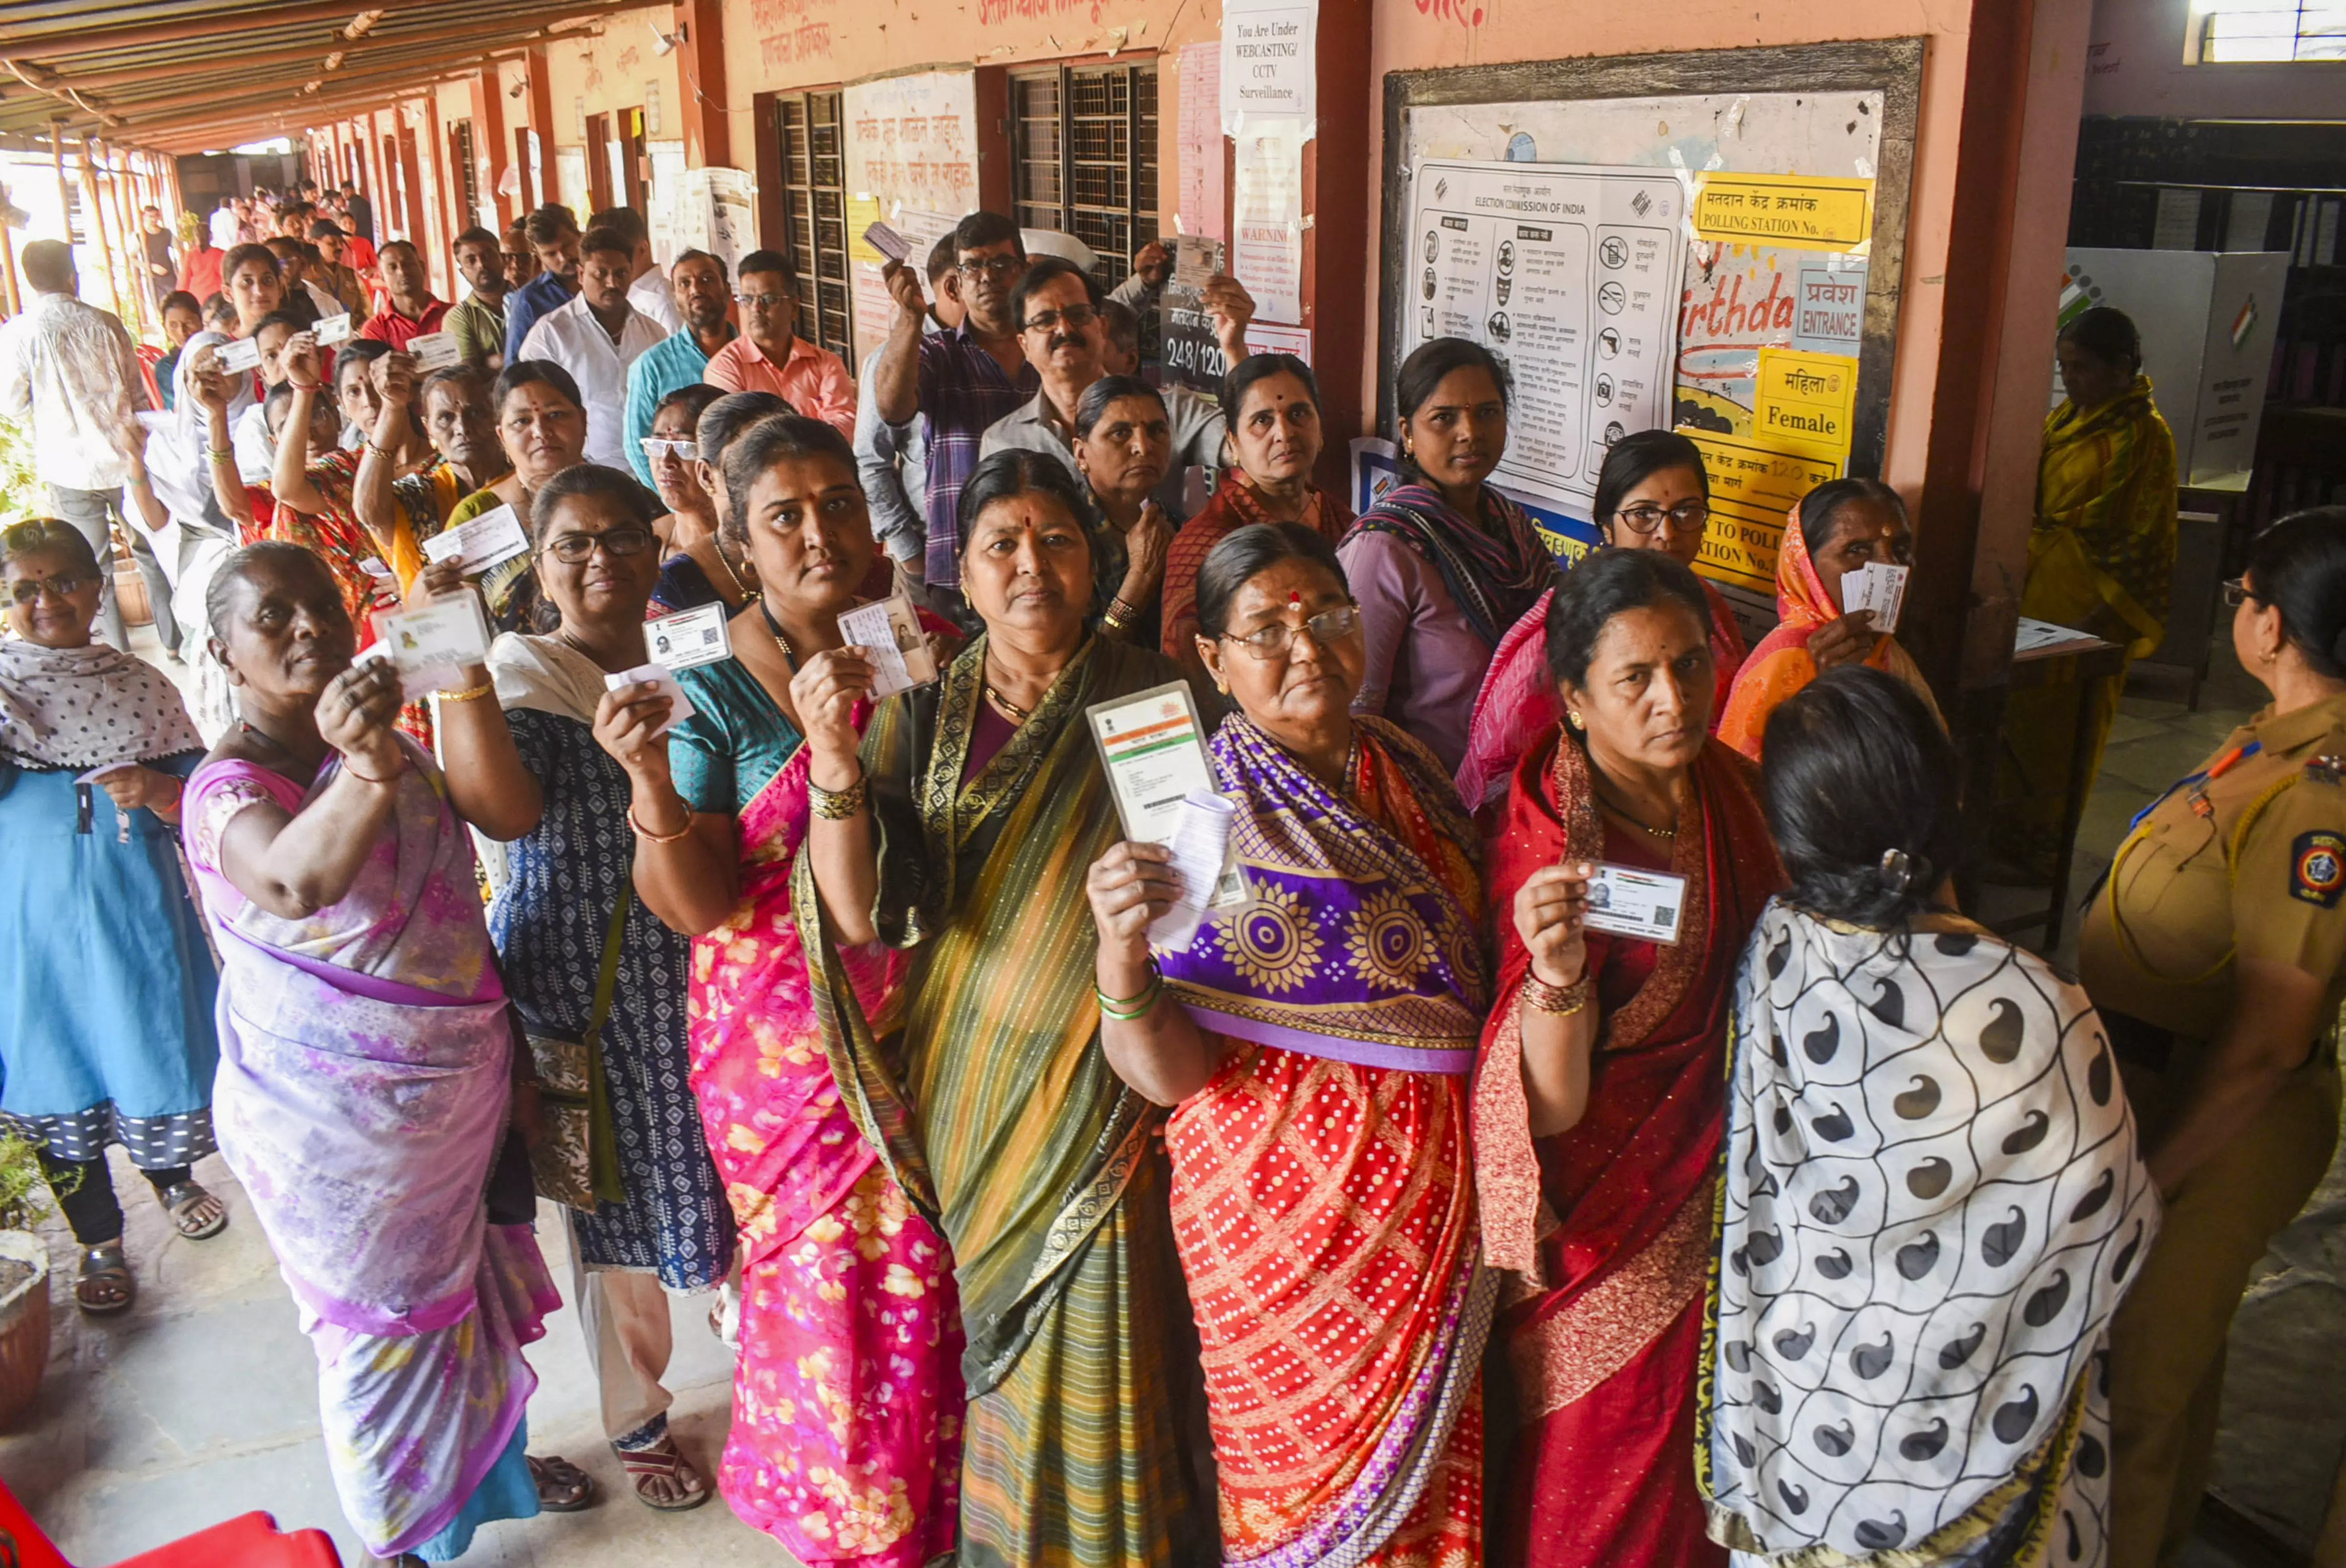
365,1086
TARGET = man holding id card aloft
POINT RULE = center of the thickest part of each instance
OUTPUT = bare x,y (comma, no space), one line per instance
1634,863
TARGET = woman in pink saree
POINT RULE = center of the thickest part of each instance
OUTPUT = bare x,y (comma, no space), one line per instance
366,1058
846,1437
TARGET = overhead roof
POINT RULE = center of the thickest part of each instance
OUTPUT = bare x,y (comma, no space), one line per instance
185,75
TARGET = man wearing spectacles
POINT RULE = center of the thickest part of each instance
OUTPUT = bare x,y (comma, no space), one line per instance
1063,328
771,357
696,279
963,379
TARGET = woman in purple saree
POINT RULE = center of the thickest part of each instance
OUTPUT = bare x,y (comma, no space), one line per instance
364,1085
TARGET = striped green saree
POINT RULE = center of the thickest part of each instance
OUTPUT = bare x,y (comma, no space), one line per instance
983,1083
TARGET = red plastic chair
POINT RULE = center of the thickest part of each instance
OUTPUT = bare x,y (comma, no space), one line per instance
250,1540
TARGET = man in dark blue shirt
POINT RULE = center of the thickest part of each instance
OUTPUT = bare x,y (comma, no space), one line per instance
553,234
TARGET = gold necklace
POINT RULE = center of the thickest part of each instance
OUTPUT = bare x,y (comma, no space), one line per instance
1004,706
1628,816
744,589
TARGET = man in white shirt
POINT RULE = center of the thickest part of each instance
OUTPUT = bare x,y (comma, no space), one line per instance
595,337
648,289
226,221
67,370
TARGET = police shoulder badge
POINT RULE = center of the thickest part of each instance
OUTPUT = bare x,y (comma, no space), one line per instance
2318,868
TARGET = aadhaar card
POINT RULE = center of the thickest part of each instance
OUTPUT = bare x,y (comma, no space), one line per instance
432,644
1626,902
1155,753
332,330
239,355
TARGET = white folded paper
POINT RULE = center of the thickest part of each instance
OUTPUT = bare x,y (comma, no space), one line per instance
681,707
1200,845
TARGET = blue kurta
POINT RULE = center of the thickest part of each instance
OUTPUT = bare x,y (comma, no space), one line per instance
105,1014
548,924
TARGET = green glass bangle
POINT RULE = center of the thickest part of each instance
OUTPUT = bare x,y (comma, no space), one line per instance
1131,1007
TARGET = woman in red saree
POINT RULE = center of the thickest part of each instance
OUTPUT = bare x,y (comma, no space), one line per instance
1599,1099
1316,1040
1653,493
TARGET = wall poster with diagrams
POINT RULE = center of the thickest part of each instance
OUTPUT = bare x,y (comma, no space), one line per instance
1722,261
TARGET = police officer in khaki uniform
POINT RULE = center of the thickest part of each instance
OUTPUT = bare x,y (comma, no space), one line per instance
2216,952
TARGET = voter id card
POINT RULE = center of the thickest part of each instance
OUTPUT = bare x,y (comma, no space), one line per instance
1626,902
432,644
889,631
239,355
435,351
1879,586
490,539
689,638
332,330
888,242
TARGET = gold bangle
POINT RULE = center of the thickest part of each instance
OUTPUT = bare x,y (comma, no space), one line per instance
221,453
835,805
470,694
369,778
1557,1001
647,834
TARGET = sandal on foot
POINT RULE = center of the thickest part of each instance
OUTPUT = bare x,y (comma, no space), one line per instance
562,1486
664,1462
196,1212
106,1285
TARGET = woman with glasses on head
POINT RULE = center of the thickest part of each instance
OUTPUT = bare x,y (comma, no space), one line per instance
2215,949
845,1442
1123,441
714,568
958,827
1598,1102
1840,528
518,741
1323,1030
671,453
1653,493
1271,405
1443,564
106,1034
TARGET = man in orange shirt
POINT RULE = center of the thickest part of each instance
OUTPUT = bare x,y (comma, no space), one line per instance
771,357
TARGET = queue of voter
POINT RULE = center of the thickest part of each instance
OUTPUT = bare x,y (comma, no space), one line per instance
1164,1018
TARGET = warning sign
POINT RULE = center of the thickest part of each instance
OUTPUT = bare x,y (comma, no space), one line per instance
1814,212
1805,401
1753,487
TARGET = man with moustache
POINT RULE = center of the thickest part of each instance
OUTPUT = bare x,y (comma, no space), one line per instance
409,311
771,357
479,319
598,337
961,380
1063,329
696,279
553,235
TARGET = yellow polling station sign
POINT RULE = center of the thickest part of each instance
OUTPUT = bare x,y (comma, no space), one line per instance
1810,211
1752,486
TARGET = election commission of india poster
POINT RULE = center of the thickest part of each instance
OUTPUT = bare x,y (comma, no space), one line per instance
1697,262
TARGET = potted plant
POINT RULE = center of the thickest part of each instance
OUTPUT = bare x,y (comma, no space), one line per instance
24,1278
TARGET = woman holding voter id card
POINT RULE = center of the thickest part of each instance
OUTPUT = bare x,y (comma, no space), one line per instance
960,831
368,1070
845,1443
1633,865
1843,533
1321,1028
585,961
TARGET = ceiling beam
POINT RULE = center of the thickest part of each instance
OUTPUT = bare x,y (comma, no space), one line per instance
519,23
69,37
392,78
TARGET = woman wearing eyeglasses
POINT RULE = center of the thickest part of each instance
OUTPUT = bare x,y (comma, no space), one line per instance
1316,1041
105,1035
697,570
1835,529
2216,950
517,739
1653,493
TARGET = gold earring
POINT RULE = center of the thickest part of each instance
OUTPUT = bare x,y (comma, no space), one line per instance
1572,716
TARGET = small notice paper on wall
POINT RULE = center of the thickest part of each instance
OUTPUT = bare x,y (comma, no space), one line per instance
1270,61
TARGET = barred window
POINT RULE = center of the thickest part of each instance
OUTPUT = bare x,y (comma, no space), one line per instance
1084,157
